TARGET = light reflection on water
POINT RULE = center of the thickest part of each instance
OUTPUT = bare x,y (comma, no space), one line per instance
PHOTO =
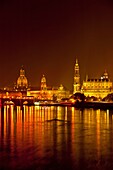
55,138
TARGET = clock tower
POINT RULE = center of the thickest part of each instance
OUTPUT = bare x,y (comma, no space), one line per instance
76,84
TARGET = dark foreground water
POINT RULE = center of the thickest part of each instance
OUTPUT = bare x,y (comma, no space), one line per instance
55,138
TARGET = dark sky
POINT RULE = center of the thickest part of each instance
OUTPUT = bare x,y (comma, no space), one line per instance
46,36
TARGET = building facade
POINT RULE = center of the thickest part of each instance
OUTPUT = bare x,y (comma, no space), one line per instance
99,88
45,92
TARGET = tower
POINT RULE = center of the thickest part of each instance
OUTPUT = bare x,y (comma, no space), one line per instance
76,84
43,83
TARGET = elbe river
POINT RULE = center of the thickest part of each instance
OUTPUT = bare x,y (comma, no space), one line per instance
55,138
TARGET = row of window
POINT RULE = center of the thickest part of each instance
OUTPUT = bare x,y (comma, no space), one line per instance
95,87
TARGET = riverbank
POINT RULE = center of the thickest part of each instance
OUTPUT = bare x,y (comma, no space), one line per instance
94,104
85,104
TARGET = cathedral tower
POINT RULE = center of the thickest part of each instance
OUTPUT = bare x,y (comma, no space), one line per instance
76,84
43,83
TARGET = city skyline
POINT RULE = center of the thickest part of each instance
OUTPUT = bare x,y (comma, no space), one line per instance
47,36
22,77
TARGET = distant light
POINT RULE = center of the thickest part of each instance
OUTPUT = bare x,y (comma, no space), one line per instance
36,103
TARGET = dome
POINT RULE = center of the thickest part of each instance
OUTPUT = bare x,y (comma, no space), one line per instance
22,81
61,87
105,75
43,80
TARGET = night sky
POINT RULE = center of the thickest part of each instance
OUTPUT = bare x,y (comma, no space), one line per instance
47,35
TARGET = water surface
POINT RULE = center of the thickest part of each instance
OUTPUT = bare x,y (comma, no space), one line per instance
55,138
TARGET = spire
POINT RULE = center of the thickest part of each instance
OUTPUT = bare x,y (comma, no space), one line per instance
86,77
22,67
76,61
22,71
43,79
43,83
76,84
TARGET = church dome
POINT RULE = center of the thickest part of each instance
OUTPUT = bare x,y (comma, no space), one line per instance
22,81
43,79
105,75
61,87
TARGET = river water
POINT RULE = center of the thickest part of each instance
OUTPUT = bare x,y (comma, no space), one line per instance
55,138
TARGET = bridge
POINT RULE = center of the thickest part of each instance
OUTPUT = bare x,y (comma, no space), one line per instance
17,101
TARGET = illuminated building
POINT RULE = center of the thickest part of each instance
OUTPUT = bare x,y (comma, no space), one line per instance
22,82
10,93
90,87
19,89
48,93
43,83
76,84
97,87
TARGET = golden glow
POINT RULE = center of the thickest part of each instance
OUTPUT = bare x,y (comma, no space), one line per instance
22,80
72,100
81,131
76,84
97,87
98,132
